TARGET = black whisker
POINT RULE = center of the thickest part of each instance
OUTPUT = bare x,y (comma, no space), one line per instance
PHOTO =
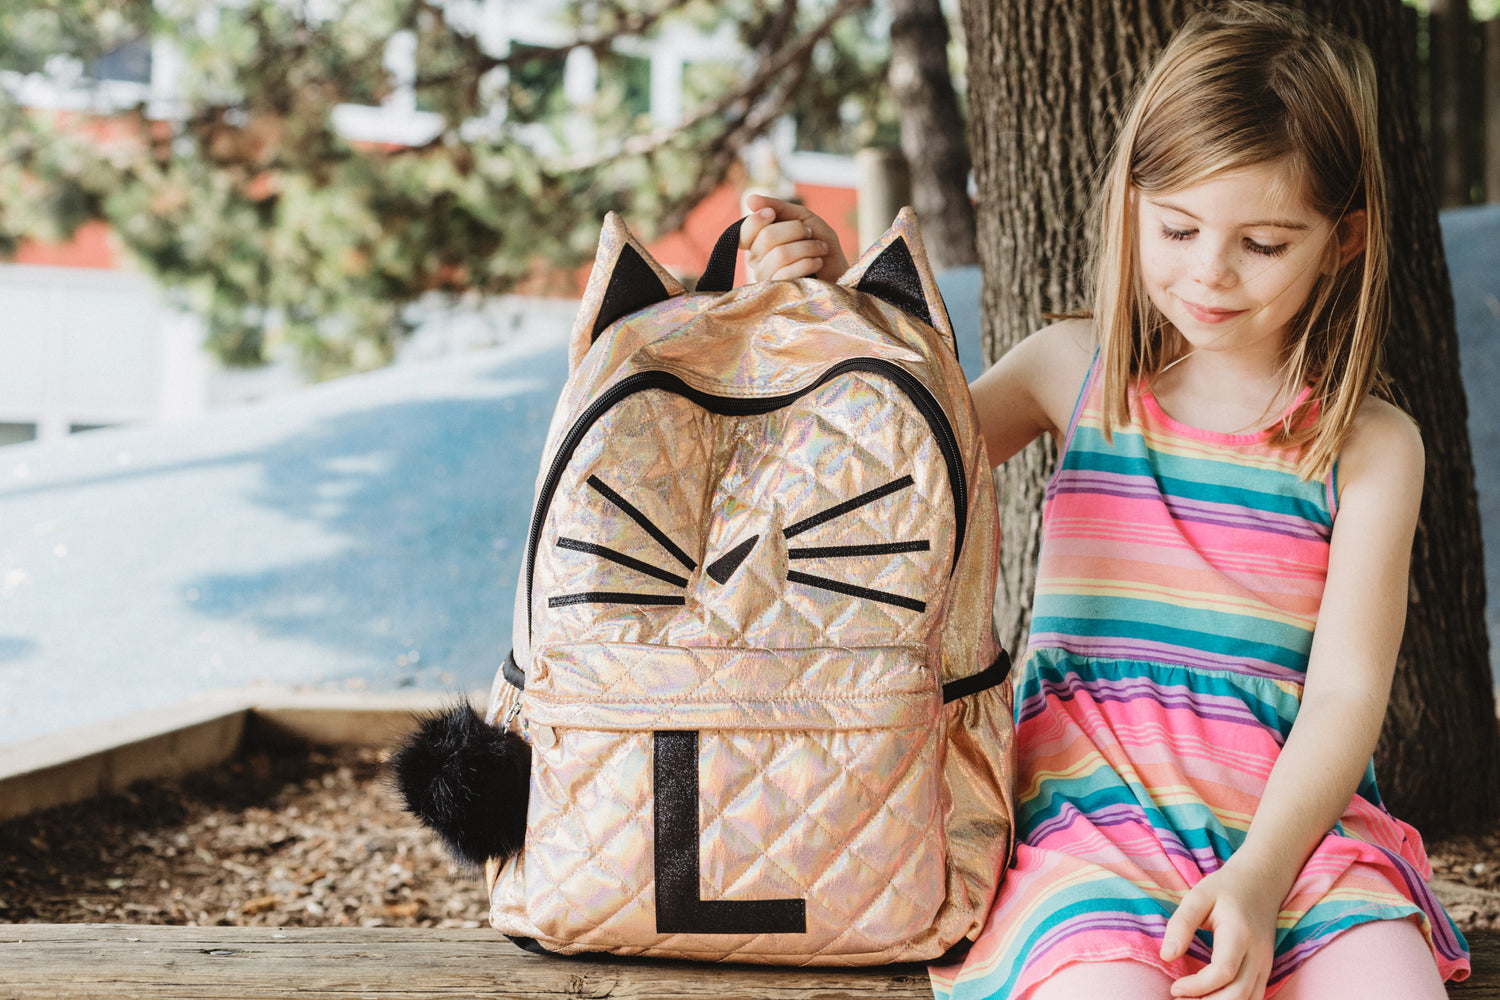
612,597
619,557
642,520
839,587
838,551
839,510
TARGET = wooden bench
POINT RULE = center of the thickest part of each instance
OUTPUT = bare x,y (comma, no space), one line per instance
123,962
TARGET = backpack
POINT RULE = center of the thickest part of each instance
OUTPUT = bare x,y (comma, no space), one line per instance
756,710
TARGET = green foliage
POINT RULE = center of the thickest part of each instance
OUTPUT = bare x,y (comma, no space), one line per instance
842,111
249,204
83,31
1479,10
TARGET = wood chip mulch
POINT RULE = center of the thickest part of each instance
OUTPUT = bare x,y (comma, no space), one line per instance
317,838
1466,877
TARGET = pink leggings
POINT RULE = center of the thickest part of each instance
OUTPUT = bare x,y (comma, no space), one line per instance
1373,961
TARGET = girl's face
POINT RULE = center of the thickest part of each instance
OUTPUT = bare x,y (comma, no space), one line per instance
1228,263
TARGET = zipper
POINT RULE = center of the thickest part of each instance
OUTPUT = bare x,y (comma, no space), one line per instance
732,406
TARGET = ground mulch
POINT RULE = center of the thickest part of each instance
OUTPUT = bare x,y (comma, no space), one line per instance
1466,877
316,837
309,838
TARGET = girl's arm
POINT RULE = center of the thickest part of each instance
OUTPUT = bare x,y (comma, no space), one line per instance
1031,390
1353,657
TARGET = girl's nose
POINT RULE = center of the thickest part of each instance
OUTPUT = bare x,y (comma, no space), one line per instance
1213,266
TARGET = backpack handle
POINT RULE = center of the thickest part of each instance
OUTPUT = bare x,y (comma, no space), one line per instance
718,275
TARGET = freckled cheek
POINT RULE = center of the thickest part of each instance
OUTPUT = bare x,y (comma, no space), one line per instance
1157,271
1290,284
1146,263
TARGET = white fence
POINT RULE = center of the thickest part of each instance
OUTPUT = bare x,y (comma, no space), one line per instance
84,348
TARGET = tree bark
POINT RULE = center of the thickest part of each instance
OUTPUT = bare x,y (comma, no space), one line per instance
1048,85
1439,755
1491,104
932,132
1452,99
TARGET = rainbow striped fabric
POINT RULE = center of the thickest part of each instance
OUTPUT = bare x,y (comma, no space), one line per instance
1178,586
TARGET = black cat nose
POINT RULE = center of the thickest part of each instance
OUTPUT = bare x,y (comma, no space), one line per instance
722,568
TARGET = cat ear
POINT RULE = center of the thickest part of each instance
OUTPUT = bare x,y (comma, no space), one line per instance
895,269
625,278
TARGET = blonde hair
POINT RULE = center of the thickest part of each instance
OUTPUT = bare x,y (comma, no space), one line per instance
1240,85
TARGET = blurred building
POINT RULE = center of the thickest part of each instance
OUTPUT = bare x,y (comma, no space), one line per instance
86,342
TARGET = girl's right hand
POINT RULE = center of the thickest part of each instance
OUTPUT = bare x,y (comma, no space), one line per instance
1239,907
783,240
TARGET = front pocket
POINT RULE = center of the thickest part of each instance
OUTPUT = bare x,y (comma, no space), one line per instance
750,809
631,687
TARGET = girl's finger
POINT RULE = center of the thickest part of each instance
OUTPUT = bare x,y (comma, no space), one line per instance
804,268
782,209
759,241
1248,985
1231,963
1214,977
755,223
779,234
786,253
787,260
1190,915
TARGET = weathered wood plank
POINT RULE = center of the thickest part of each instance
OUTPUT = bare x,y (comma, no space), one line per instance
1484,984
123,962
94,760
171,741
76,961
369,719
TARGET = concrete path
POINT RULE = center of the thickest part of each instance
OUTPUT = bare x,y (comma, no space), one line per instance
361,533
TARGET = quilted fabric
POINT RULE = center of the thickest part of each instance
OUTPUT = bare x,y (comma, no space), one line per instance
764,541
709,481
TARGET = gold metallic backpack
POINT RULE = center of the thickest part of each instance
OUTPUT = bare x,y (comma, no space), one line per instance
755,674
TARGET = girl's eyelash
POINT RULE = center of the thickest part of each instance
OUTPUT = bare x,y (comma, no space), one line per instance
1259,249
1265,251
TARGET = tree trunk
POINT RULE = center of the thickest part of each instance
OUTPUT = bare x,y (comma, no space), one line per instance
1491,104
932,132
1048,85
1439,755
1450,38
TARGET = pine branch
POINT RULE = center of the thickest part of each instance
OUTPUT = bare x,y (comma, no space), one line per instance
630,23
747,95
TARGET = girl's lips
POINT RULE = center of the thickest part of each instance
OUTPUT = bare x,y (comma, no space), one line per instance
1206,314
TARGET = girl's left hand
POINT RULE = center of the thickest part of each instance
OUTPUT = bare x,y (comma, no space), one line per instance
784,240
1238,906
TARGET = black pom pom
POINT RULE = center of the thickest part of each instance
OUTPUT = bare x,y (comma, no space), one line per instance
467,781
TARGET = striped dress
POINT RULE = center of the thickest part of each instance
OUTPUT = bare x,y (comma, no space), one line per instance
1178,586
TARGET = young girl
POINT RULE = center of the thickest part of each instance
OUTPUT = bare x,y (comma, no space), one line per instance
1225,552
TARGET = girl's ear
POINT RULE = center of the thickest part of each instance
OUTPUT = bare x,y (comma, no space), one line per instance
1351,233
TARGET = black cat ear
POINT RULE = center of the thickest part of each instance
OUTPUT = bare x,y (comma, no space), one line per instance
625,278
895,269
